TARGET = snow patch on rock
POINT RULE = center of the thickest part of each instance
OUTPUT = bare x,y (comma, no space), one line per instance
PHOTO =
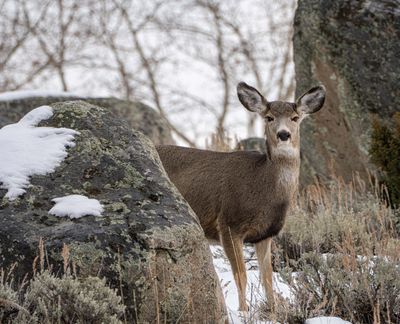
27,150
76,206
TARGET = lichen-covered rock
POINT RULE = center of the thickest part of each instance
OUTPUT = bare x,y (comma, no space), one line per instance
147,243
351,47
139,116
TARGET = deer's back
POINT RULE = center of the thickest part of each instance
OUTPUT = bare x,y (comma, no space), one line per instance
226,185
192,169
207,172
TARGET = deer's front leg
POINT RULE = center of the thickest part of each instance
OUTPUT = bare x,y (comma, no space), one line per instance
233,247
263,250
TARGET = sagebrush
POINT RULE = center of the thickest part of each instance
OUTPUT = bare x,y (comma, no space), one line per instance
65,299
339,254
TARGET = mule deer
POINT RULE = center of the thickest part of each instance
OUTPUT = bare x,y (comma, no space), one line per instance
244,197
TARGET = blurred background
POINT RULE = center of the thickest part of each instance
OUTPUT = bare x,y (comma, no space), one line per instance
183,58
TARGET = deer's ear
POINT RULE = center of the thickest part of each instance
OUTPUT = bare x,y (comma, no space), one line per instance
311,101
251,99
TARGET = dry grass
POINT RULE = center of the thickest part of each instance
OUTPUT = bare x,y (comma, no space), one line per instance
339,252
327,217
48,298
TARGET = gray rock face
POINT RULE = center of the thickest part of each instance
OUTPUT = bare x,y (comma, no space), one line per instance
139,116
352,47
148,242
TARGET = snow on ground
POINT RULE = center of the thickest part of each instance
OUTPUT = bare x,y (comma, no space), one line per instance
27,150
326,320
16,95
254,294
76,206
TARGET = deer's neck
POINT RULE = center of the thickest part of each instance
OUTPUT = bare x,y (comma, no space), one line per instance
285,165
289,153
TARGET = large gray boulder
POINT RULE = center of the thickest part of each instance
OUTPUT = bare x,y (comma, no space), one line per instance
139,116
147,243
352,47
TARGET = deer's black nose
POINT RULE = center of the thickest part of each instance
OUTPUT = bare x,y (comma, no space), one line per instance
283,135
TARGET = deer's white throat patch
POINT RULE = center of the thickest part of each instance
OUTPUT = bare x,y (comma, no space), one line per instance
285,149
288,176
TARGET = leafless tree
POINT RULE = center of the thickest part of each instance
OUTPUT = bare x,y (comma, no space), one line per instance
183,57
233,51
15,33
62,37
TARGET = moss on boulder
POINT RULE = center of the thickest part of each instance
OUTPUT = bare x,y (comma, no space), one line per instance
148,243
349,46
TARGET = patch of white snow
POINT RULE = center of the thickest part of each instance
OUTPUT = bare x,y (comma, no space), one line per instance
27,150
326,320
76,206
254,293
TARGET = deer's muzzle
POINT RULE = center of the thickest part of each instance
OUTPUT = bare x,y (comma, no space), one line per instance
283,135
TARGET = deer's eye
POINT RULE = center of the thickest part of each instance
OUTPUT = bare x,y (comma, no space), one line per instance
270,119
295,119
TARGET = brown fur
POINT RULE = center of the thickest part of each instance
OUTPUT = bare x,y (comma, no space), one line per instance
243,196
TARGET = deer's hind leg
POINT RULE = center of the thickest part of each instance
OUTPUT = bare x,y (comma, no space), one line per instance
263,251
233,247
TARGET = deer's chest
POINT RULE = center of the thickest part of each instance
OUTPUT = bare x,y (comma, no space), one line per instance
287,180
268,224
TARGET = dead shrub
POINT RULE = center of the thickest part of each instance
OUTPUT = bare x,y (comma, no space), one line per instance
339,254
356,288
326,217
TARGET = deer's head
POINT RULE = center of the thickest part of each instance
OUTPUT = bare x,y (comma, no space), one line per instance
282,119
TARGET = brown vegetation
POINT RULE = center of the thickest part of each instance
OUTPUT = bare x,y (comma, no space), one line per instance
339,254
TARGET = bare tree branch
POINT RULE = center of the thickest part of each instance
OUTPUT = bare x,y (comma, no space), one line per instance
151,77
162,52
